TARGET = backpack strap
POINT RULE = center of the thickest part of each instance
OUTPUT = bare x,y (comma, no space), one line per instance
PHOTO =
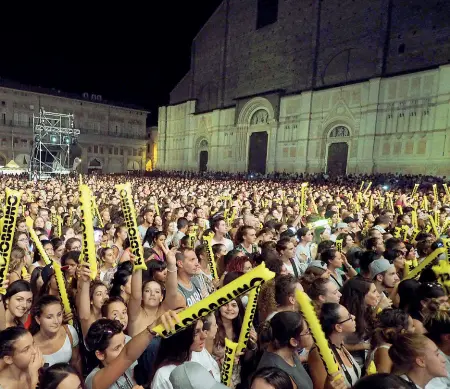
294,267
69,334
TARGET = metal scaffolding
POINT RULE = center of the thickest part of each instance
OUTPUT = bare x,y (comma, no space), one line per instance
53,136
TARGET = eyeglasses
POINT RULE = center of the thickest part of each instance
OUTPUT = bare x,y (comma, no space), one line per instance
350,317
308,332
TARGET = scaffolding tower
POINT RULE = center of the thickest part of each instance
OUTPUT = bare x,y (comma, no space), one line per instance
53,136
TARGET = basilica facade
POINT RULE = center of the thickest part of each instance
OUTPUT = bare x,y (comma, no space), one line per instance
314,86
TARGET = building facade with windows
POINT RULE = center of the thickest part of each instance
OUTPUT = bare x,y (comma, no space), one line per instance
112,138
337,86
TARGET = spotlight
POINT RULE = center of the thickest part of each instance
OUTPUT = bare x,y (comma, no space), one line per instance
385,187
53,139
67,140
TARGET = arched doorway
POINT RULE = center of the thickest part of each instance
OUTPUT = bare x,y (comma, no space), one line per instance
203,156
257,152
133,165
203,161
337,155
337,159
95,166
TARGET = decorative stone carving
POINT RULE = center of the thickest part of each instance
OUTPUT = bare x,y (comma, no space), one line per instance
339,132
261,116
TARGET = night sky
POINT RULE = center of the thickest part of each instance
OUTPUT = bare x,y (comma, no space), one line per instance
128,53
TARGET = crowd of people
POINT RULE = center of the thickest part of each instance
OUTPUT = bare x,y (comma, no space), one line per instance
349,243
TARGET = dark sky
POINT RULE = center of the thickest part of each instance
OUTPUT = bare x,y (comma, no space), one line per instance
125,52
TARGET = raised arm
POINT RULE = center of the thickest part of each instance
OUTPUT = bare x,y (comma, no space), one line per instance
173,300
134,304
106,376
83,300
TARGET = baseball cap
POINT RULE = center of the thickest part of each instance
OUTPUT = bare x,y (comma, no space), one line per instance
350,219
379,266
319,264
47,272
192,375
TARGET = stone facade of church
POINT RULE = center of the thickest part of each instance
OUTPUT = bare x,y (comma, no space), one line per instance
339,86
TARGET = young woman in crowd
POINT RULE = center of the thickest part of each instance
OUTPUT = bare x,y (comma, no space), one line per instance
90,299
337,323
107,341
150,298
15,305
58,342
20,359
361,298
417,359
285,334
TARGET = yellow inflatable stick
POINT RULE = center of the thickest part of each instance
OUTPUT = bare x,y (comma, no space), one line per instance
339,245
371,369
38,244
228,362
397,232
414,219
321,342
62,289
7,231
425,263
447,248
157,208
368,187
258,276
130,220
405,230
96,212
207,242
248,319
362,186
54,220
24,272
71,216
445,226
416,186
303,199
192,238
442,272
59,225
88,249
435,229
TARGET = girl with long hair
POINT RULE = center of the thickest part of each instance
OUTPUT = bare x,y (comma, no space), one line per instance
20,359
106,340
16,305
150,299
416,359
361,298
336,322
57,342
